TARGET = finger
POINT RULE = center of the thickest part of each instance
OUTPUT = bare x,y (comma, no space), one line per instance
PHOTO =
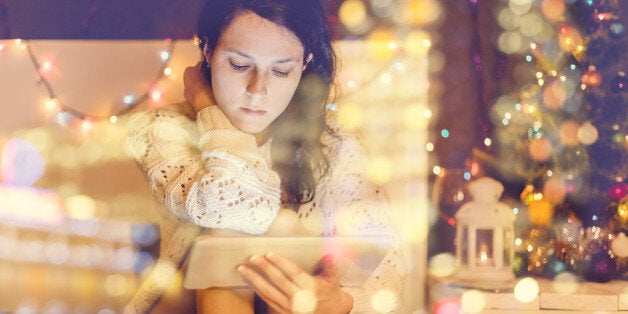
268,292
302,279
329,266
275,275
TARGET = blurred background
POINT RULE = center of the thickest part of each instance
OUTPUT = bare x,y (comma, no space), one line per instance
529,92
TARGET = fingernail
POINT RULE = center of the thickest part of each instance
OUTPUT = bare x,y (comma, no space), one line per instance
329,259
241,269
270,255
255,259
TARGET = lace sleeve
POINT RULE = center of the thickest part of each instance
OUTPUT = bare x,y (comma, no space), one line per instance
214,177
362,208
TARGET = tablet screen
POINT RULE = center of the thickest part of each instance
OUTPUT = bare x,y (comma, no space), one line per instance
213,260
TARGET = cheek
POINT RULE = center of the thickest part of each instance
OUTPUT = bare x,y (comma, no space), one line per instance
223,87
287,90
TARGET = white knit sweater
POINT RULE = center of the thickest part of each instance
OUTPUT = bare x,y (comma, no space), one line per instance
209,174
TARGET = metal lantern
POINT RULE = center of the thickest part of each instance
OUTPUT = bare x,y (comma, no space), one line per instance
485,234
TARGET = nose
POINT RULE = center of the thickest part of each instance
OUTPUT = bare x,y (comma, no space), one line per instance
257,85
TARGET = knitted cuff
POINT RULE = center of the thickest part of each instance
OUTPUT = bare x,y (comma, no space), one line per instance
232,141
212,118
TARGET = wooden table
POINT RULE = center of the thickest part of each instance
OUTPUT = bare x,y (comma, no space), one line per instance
583,297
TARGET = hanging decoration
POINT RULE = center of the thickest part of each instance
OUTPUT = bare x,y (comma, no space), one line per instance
66,112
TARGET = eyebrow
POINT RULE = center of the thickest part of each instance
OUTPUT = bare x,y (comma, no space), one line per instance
245,55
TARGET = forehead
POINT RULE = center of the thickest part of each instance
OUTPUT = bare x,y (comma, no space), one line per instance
250,33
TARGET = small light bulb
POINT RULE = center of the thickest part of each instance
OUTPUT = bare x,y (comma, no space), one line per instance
129,99
167,71
50,104
46,66
155,95
164,55
86,125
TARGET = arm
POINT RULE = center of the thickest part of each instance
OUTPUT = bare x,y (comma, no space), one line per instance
352,206
207,171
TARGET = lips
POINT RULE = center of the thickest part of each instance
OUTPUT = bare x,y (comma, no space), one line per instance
253,111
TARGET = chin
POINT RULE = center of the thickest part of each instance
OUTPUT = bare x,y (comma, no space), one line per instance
250,130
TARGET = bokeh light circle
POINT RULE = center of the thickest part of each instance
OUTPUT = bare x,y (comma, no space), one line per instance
526,290
473,301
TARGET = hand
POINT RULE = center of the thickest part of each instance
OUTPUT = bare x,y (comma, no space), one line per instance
196,90
288,289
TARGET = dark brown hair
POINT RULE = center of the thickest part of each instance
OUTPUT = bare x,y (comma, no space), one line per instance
296,145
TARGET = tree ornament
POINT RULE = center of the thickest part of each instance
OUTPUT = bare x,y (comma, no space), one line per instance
618,84
569,238
554,95
620,245
540,149
520,263
555,266
555,190
621,215
541,212
587,133
591,77
538,245
616,30
618,190
568,133
600,264
601,267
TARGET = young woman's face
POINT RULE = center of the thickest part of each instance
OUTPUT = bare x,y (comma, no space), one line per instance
255,69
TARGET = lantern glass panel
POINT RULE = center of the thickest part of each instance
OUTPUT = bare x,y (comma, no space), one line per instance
484,247
464,245
508,241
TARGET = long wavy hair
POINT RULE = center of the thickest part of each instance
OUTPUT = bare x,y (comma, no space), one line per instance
296,146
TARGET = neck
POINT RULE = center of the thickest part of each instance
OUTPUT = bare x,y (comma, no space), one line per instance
261,137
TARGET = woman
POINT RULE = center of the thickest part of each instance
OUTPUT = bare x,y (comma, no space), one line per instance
252,138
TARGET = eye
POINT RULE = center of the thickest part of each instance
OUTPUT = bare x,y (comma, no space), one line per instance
236,67
280,73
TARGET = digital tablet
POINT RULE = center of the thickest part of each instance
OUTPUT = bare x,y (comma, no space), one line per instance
213,259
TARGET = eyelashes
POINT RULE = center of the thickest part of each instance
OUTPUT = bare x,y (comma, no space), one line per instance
241,68
280,73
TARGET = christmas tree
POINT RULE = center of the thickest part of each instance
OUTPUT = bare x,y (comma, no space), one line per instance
565,134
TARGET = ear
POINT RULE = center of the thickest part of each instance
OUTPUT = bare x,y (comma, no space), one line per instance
307,60
206,53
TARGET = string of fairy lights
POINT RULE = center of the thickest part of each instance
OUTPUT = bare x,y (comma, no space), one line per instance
65,113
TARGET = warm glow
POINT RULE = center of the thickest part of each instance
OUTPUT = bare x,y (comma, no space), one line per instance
473,301
155,95
565,283
46,66
30,204
442,265
384,301
304,301
50,104
164,55
352,13
80,207
526,290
